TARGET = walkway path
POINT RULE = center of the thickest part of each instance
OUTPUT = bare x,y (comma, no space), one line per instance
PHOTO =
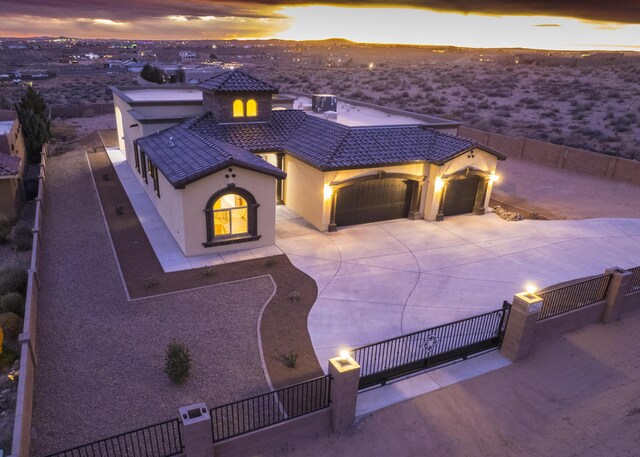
383,280
100,357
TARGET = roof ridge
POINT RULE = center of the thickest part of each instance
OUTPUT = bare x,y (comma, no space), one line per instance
338,146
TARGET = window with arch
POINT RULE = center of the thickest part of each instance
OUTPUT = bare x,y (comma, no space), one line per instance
231,215
238,108
252,108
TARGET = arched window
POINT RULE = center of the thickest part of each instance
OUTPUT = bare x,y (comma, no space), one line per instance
231,217
238,108
252,108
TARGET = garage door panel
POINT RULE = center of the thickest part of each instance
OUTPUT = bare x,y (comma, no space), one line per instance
372,201
460,196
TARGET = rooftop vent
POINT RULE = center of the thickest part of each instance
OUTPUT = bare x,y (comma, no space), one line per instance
321,103
172,142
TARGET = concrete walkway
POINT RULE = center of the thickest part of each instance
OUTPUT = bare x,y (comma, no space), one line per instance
382,280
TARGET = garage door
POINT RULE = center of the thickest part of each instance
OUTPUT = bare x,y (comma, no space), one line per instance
373,200
461,195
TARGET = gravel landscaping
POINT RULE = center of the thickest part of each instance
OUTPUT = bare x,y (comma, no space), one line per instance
100,357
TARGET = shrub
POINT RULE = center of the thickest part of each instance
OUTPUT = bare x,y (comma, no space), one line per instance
22,238
150,282
13,279
119,210
294,296
209,271
5,228
290,360
269,262
12,303
7,357
177,362
11,325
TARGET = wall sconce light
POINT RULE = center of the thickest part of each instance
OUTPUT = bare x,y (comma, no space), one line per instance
439,184
328,191
494,178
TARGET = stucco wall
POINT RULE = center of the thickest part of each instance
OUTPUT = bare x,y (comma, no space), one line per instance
478,159
13,144
8,197
304,191
196,195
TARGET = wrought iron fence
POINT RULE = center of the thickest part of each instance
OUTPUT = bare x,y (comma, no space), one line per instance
396,357
158,440
634,285
574,296
271,408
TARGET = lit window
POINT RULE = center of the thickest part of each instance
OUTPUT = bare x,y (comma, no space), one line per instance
252,108
230,215
238,108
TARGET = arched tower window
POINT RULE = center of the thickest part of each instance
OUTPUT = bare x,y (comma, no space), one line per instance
238,108
252,108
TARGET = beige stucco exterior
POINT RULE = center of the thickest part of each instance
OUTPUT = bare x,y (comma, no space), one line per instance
11,192
9,197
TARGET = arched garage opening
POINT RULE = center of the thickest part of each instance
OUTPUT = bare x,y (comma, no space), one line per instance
464,192
375,198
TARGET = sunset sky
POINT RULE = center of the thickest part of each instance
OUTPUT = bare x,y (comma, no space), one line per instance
544,24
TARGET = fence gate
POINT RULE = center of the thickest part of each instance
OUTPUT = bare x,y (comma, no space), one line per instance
417,351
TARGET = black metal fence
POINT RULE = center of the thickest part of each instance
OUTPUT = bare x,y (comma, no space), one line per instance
159,440
406,354
574,296
634,285
271,408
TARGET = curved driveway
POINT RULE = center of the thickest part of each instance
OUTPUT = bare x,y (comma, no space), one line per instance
382,280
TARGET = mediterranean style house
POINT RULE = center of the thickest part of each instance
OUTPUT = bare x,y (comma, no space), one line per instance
217,159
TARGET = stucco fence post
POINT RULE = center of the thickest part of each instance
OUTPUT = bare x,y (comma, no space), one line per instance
616,294
521,327
345,376
197,430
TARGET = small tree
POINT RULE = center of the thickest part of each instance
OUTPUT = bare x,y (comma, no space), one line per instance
36,128
177,362
152,74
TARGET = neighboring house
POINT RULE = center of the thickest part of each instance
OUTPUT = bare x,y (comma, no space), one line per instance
12,164
216,176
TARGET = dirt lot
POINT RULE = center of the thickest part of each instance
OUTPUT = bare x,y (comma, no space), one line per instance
575,395
562,194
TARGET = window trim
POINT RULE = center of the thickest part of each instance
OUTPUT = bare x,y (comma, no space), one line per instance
143,166
252,218
136,152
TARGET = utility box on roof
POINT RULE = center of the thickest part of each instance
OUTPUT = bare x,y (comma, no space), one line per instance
321,103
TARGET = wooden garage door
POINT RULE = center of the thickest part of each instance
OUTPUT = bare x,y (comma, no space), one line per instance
373,200
461,195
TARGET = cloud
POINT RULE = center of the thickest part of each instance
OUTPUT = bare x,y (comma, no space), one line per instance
623,11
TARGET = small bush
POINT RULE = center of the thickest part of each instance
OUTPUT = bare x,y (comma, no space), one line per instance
269,262
119,210
177,362
105,176
22,238
150,282
290,360
5,228
209,271
11,325
13,279
12,303
294,296
7,357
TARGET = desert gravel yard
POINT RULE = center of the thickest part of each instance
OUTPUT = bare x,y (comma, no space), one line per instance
100,357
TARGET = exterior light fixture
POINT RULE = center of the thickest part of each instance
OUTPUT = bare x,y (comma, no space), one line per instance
531,290
494,178
328,191
439,184
371,66
344,355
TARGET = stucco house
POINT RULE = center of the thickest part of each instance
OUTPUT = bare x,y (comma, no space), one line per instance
216,160
12,164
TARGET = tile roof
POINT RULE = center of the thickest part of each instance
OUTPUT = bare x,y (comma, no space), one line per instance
236,81
183,156
9,165
202,146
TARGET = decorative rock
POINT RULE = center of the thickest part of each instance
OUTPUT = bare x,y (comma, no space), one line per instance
507,215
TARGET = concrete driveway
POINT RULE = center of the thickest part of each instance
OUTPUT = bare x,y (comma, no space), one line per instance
382,280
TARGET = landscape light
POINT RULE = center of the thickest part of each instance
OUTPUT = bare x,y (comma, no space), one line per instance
344,355
328,191
531,289
439,184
